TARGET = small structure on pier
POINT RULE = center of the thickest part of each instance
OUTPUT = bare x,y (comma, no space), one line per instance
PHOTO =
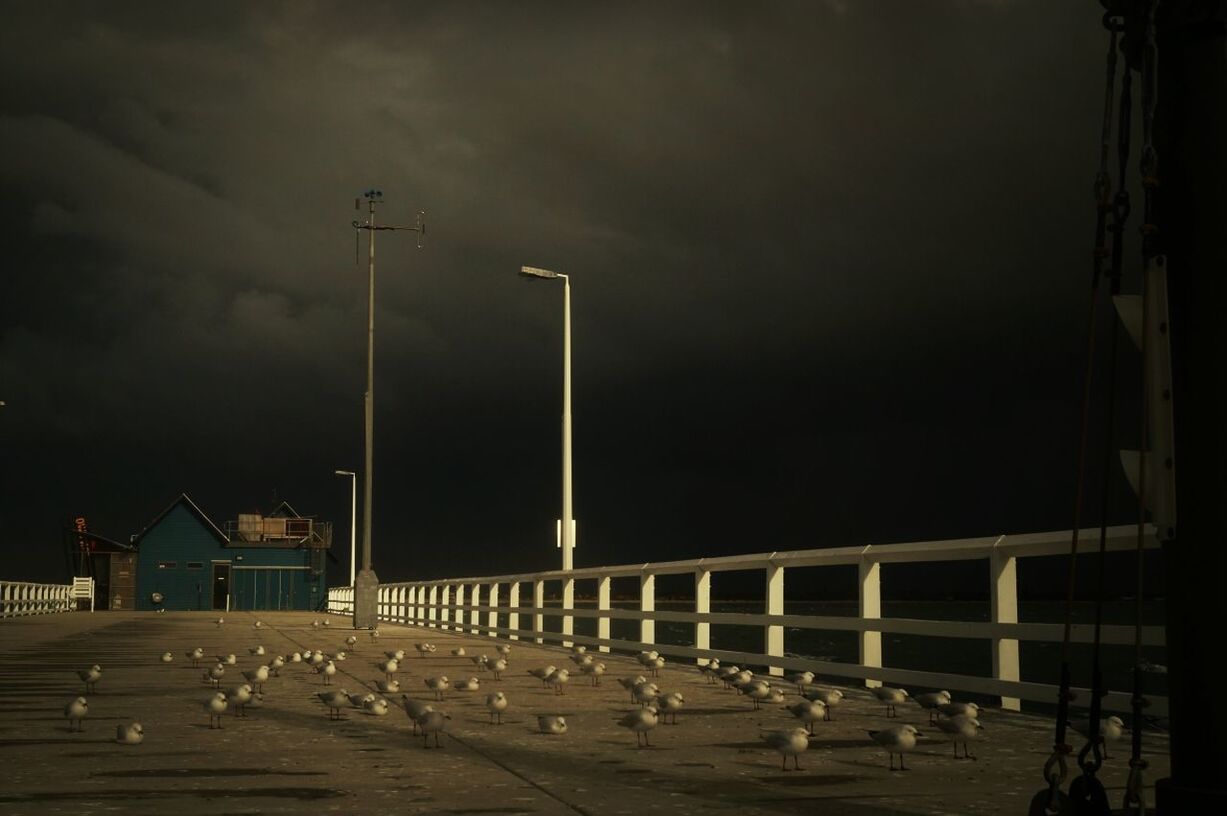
273,562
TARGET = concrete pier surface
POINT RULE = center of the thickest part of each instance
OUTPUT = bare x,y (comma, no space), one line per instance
287,756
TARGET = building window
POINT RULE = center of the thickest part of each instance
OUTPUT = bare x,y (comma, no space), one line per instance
195,565
167,564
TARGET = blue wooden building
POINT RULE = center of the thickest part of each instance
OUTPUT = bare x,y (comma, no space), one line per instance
259,562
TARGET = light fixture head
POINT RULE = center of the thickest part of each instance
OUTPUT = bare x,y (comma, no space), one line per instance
536,272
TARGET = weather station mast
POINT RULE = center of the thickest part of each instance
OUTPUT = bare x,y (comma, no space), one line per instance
366,584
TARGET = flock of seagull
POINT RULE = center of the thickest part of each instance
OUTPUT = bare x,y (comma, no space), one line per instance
957,721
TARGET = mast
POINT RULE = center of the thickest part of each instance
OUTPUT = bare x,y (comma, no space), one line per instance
1191,132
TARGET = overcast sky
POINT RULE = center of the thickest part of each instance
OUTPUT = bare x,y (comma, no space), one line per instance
830,267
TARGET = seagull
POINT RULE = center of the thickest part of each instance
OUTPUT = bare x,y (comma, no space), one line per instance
503,648
739,679
374,633
543,674
327,622
788,743
314,658
758,691
931,701
315,624
388,686
641,721
498,666
339,656
255,651
432,722
578,648
275,665
496,703
389,667
257,700
959,709
656,664
896,740
961,729
360,700
558,679
1110,728
645,693
240,696
75,712
629,683
219,622
415,709
90,677
377,707
593,670
711,670
800,680
195,656
352,643
438,685
129,734
424,648
458,651
471,684
215,706
256,677
294,657
334,700
828,697
808,712
328,670
257,625
645,658
891,696
227,660
480,661
582,659
167,657
398,655
215,674
552,723
671,703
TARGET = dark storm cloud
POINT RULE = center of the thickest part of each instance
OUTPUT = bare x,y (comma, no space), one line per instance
828,268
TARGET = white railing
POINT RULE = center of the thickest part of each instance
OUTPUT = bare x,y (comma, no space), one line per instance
457,604
18,598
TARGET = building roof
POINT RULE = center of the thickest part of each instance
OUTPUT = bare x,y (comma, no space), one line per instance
283,510
193,509
103,543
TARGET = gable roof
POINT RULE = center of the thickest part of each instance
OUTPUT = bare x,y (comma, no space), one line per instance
283,510
191,508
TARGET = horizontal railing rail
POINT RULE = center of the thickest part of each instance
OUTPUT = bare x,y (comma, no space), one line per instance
20,598
473,605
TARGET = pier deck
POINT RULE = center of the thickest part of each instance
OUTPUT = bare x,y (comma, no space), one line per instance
288,757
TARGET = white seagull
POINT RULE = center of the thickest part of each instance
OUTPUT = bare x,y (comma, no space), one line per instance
334,700
931,701
415,709
808,712
892,697
790,743
552,723
496,704
256,677
897,739
471,684
828,697
75,712
255,651
90,677
432,722
960,729
240,696
328,670
800,680
215,707
671,703
438,685
593,670
558,679
498,666
129,734
196,655
641,721
388,686
167,657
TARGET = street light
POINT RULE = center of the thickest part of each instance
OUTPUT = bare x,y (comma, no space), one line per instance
567,523
366,585
353,521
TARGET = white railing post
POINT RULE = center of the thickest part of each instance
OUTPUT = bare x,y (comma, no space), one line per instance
432,609
458,624
702,606
538,606
413,606
602,604
773,634
474,614
1004,596
870,595
445,614
647,603
492,615
513,606
568,605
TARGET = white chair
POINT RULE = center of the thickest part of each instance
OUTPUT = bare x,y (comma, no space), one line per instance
83,588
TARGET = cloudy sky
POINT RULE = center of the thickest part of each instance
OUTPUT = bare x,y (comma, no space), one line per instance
830,267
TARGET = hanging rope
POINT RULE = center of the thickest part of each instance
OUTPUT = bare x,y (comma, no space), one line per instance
1052,801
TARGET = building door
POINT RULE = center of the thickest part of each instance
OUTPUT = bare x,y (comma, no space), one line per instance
221,585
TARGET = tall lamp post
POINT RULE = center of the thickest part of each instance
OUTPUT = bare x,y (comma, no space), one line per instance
353,521
566,538
366,584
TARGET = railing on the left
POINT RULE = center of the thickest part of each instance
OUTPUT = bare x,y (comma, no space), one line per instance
341,601
20,598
